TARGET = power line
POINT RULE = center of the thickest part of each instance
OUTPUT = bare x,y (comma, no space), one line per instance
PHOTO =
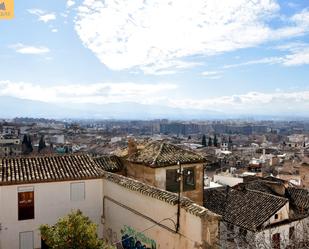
148,228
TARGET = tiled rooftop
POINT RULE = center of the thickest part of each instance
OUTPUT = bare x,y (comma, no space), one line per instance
248,209
22,170
298,197
250,204
157,193
160,154
109,163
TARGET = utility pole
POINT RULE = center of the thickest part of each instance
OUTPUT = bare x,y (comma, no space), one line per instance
179,179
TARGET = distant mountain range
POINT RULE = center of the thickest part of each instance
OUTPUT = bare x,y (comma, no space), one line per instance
14,107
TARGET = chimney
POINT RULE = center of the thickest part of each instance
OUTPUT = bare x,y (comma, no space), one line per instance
132,148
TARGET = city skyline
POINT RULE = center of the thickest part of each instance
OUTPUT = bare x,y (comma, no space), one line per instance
203,58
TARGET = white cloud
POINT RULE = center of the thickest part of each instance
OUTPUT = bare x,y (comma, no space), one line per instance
99,93
42,15
277,101
213,75
54,30
167,67
298,55
267,60
70,3
297,58
140,34
251,102
210,73
302,18
26,49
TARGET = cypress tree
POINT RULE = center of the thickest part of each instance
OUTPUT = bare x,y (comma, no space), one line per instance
215,141
42,144
209,141
204,143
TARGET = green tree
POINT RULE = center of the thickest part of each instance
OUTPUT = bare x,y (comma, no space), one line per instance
209,141
26,145
204,143
215,141
25,139
74,231
42,144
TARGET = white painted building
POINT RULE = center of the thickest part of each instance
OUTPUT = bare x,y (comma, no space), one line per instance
48,189
51,201
40,190
261,213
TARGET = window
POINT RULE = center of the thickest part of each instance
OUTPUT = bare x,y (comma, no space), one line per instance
230,227
26,240
242,232
276,241
78,191
172,184
276,216
188,179
25,203
291,232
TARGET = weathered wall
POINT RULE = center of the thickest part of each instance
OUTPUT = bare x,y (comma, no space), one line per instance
283,214
152,221
157,177
304,175
195,195
52,201
141,173
301,234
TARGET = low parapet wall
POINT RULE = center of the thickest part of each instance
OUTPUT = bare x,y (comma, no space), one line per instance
134,212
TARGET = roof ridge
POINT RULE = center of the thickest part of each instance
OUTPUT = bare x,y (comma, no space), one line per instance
43,156
158,154
264,193
157,193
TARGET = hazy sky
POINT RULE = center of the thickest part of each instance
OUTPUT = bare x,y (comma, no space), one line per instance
234,56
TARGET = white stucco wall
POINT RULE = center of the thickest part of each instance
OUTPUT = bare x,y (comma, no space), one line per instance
263,239
283,214
227,180
52,201
301,232
116,216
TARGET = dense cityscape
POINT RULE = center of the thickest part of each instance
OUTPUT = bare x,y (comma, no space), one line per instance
154,124
262,166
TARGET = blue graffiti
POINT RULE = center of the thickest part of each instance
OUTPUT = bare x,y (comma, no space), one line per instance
129,242
2,6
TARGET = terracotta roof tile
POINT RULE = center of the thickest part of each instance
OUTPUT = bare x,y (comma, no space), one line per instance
157,193
109,163
21,170
248,209
160,154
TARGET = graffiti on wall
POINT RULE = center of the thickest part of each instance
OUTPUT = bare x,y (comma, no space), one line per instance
132,239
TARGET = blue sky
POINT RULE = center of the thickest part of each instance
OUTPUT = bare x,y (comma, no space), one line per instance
240,57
